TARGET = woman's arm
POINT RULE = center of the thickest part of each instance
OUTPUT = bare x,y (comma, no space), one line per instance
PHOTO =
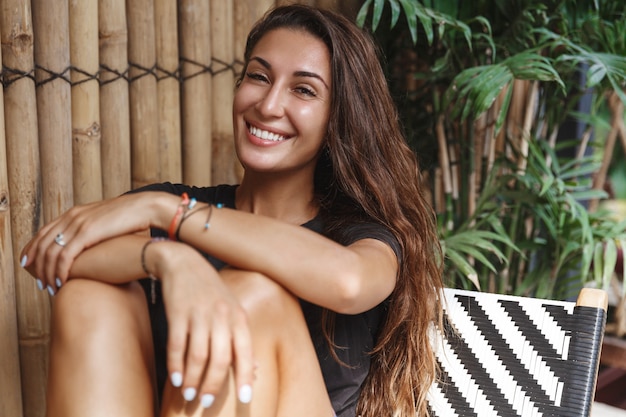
348,279
344,279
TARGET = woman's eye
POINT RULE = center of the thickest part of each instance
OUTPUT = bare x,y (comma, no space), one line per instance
305,91
256,76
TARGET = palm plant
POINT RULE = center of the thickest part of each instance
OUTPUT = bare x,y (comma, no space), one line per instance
487,86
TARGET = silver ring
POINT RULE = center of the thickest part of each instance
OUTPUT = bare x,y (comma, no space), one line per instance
59,240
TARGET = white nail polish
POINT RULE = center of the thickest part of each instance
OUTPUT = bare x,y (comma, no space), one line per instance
189,394
58,282
207,400
23,261
39,284
245,394
177,379
51,291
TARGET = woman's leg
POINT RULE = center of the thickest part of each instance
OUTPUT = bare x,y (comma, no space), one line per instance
288,378
101,355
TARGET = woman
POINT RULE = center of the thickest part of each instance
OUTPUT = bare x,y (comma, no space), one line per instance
324,263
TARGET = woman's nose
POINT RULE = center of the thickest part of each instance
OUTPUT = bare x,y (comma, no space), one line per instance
272,104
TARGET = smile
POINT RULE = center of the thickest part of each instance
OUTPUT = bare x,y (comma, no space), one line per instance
265,135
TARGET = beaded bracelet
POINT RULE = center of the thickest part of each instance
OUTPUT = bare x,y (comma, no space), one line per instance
145,267
186,215
184,204
207,223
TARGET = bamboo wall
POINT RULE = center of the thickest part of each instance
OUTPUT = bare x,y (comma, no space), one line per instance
100,96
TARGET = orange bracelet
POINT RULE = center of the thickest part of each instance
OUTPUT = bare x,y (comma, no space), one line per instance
179,211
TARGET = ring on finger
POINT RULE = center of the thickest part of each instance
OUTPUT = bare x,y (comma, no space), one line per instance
60,239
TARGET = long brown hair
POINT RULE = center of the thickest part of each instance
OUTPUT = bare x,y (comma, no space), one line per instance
368,170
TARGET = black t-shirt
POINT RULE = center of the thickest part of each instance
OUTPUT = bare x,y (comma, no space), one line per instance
354,335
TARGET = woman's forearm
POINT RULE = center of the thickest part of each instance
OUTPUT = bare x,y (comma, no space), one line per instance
116,261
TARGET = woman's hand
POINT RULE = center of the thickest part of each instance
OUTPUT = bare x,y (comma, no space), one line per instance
208,328
48,256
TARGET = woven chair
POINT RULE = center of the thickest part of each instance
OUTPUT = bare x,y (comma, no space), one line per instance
516,356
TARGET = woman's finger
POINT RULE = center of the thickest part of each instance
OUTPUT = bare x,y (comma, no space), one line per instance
196,357
176,346
220,358
244,359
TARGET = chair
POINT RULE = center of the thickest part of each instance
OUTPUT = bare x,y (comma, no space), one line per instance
516,356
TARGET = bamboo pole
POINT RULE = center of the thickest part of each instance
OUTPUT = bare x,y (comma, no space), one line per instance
51,30
10,384
515,116
143,93
114,98
480,140
532,95
168,90
617,114
224,161
444,159
196,117
20,110
85,101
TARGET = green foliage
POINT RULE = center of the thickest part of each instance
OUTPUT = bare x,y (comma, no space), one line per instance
527,230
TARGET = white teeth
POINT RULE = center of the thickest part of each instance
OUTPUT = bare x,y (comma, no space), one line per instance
265,135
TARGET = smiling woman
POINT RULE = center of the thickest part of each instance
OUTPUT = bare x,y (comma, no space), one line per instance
282,104
307,289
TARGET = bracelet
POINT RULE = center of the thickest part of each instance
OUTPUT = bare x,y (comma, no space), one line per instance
145,267
207,223
187,215
184,203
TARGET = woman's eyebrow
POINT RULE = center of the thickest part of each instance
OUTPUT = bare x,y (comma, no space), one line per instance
267,65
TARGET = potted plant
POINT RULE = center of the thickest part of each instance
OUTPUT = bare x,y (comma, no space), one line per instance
486,91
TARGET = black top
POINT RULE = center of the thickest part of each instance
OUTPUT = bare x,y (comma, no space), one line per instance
354,335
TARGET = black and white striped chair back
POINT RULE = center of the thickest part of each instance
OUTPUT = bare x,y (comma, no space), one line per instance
516,356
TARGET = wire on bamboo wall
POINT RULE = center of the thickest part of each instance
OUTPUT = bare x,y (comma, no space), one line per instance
98,97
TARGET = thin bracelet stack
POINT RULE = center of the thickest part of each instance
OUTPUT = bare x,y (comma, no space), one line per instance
184,211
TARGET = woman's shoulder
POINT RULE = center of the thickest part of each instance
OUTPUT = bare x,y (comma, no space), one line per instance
351,229
223,193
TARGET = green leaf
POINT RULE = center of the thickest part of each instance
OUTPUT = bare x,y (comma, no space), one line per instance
362,14
464,266
595,74
411,18
597,264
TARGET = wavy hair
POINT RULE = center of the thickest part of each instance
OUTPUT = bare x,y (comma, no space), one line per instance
368,170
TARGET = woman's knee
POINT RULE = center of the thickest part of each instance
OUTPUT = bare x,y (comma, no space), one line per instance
83,307
261,297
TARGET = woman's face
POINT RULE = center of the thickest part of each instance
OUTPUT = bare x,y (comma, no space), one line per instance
282,105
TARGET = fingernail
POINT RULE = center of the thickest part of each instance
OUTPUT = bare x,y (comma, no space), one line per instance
23,261
51,291
177,379
39,284
245,394
207,400
58,282
189,394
